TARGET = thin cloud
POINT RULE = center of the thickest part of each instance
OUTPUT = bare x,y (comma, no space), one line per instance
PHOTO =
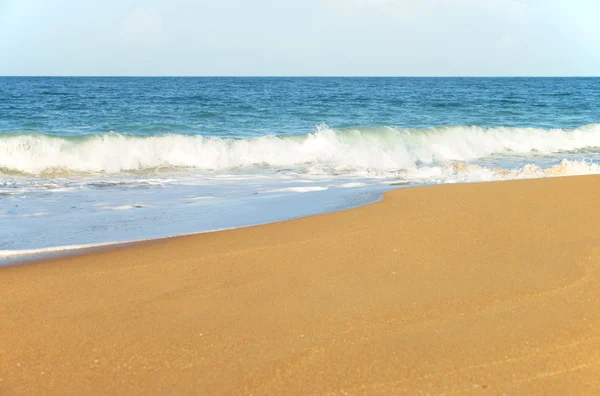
143,28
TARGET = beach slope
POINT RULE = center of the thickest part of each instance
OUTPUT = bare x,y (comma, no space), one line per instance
489,287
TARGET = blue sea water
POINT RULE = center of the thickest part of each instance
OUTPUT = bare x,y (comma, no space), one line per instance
87,161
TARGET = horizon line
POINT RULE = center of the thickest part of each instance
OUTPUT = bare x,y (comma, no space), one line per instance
286,76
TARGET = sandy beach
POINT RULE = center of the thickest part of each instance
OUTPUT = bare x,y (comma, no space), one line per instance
448,289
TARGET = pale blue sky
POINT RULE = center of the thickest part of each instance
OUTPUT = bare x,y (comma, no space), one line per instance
300,37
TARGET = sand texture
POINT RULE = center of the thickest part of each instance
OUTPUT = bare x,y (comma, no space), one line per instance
477,288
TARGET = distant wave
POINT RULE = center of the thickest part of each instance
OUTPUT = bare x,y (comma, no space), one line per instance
367,149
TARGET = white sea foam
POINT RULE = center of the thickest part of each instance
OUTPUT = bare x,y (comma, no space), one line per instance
459,172
53,249
324,151
126,207
299,189
352,185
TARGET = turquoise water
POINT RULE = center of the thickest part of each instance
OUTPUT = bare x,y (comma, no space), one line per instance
115,159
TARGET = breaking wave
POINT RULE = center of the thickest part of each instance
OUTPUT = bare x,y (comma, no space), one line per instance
365,149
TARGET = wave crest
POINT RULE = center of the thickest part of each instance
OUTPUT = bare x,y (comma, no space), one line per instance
367,149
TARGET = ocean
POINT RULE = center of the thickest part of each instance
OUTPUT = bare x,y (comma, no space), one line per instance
95,161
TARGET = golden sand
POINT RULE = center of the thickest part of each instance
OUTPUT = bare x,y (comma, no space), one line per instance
489,288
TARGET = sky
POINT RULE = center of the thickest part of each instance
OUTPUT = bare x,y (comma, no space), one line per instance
300,37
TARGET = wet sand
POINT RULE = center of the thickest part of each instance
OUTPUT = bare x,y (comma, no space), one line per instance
489,288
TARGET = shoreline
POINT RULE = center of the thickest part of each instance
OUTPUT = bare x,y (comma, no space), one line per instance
436,289
34,256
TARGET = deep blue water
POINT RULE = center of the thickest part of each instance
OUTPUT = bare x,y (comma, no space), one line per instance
243,107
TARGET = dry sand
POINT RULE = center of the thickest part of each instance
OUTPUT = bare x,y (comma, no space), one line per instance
487,288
